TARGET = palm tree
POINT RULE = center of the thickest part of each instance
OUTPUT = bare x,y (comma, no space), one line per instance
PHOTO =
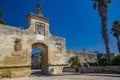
1,21
102,6
116,32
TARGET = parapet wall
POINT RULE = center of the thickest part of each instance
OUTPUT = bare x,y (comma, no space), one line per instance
94,69
9,29
6,29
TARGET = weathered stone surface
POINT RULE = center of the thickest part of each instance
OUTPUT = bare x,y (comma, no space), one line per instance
83,56
16,45
94,69
14,71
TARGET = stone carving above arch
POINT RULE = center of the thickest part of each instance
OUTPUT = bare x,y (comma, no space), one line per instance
39,28
17,44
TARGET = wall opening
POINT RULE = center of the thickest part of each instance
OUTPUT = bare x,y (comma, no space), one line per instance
36,58
39,59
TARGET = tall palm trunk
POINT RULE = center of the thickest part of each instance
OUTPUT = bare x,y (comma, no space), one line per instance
106,38
103,15
118,44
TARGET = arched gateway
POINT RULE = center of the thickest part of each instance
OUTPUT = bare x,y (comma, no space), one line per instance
16,45
44,56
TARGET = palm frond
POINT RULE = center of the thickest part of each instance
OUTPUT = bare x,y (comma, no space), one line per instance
109,1
116,28
94,5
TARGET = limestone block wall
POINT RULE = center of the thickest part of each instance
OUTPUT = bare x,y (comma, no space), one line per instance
56,45
14,56
60,50
57,52
94,69
90,57
83,56
16,47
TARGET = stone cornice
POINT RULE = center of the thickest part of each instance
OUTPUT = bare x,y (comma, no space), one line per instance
34,16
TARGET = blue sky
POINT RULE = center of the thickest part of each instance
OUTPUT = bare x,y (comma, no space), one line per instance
74,20
36,51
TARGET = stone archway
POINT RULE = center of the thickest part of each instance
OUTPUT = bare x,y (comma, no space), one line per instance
44,56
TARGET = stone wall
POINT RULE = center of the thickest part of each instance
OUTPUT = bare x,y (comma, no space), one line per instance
16,45
94,69
15,71
14,56
83,56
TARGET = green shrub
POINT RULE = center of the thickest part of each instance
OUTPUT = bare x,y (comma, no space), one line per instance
93,64
116,60
74,61
102,62
79,65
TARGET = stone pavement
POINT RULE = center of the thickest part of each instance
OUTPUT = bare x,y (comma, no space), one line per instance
72,76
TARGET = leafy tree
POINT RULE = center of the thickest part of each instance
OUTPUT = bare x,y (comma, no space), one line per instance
102,6
116,32
116,60
1,21
74,61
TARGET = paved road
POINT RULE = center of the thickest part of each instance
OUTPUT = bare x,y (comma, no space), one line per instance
70,76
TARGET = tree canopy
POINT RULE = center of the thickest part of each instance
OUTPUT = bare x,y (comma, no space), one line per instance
116,32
